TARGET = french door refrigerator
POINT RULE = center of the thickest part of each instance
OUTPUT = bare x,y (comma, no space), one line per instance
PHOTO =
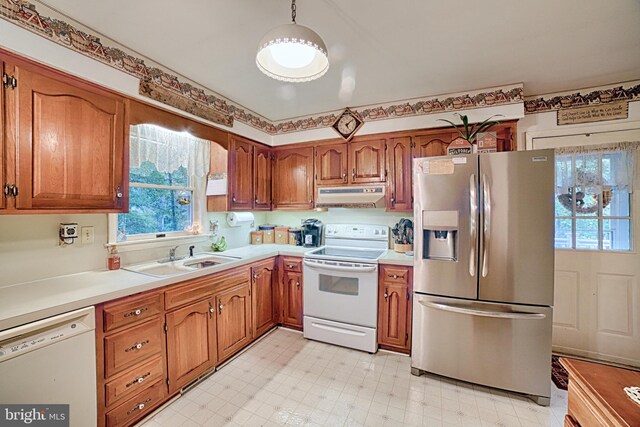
483,269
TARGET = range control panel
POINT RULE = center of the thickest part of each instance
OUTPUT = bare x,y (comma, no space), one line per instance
357,231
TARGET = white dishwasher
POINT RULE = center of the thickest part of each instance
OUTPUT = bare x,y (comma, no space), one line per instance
52,361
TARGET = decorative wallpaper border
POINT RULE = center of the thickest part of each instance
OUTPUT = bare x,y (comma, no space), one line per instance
185,94
558,101
512,94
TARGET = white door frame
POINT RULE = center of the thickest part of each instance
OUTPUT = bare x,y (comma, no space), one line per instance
588,298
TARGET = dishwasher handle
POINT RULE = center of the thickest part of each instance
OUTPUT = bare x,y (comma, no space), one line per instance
33,336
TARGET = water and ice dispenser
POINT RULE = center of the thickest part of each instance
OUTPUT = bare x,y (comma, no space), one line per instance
440,235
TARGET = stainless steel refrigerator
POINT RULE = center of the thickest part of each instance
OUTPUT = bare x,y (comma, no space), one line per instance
483,269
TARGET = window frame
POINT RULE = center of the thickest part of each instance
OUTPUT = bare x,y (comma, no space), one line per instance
599,217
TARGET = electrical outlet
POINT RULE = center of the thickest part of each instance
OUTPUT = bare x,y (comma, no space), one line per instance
87,234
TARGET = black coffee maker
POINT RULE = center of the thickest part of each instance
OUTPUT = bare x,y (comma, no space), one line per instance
311,232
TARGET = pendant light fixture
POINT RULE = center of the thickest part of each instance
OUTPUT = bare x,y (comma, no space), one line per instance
292,52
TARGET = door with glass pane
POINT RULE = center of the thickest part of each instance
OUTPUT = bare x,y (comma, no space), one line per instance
597,277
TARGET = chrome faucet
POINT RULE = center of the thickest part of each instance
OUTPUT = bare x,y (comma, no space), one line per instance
172,253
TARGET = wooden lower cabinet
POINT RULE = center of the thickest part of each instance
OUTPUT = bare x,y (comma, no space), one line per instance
234,320
292,299
191,343
263,296
394,307
131,358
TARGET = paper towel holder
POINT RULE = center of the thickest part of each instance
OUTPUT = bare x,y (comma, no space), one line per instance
244,217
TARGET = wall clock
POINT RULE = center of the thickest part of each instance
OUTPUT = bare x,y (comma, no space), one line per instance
347,124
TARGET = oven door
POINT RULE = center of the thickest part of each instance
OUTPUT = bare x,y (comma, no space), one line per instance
342,291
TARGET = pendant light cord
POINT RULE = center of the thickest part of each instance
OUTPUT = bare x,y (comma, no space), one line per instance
293,11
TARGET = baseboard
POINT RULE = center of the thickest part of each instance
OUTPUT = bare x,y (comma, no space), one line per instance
592,356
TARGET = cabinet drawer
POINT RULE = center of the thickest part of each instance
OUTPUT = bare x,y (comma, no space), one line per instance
136,407
134,381
396,274
131,311
202,287
126,348
292,264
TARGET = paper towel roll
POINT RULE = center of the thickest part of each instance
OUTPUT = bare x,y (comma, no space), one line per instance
236,219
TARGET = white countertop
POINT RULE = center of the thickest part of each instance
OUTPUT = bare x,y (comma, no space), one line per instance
27,302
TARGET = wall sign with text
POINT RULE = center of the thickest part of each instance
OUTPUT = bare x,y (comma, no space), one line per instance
594,113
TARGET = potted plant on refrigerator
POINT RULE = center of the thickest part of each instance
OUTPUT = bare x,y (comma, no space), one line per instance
469,132
403,235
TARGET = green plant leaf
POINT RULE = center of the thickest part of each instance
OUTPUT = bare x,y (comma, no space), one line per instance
455,126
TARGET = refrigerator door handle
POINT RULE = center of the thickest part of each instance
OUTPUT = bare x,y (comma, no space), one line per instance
486,228
482,312
473,230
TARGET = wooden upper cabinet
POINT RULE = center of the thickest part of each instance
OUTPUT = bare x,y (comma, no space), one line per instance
262,177
433,144
399,190
70,141
191,343
293,178
263,296
234,320
366,160
331,164
240,173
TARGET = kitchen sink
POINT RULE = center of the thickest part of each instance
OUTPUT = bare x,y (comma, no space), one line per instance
165,269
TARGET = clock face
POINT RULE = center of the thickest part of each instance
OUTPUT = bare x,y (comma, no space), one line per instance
347,124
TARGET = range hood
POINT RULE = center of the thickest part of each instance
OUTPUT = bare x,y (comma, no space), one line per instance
369,196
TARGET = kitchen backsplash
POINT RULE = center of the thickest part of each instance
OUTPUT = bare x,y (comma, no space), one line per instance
29,247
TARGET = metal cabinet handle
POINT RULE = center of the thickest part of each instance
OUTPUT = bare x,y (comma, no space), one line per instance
6,190
386,294
136,312
233,197
473,213
393,199
137,346
220,308
311,201
139,407
255,201
353,174
118,192
211,310
14,191
138,380
290,266
344,176
298,283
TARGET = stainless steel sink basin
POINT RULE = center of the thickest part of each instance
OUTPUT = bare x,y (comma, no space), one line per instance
188,265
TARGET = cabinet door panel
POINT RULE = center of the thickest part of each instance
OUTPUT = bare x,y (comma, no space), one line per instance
70,145
433,144
399,190
234,320
366,160
191,348
263,297
331,164
293,177
394,307
292,299
262,178
240,174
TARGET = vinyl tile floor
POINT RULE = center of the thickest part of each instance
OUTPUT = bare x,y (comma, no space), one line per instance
284,379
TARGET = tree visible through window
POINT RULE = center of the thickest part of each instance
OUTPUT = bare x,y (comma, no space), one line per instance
593,200
158,202
167,179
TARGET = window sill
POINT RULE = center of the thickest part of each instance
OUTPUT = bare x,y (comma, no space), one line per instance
157,242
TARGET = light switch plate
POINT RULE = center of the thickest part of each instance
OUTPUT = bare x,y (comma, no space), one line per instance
87,235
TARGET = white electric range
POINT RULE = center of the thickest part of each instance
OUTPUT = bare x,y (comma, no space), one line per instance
341,286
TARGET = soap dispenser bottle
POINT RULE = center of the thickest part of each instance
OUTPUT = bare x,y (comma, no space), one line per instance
114,259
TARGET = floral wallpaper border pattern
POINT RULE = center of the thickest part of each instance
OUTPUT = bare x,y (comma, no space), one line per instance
24,14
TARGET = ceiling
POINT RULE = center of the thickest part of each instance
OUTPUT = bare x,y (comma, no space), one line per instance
380,51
